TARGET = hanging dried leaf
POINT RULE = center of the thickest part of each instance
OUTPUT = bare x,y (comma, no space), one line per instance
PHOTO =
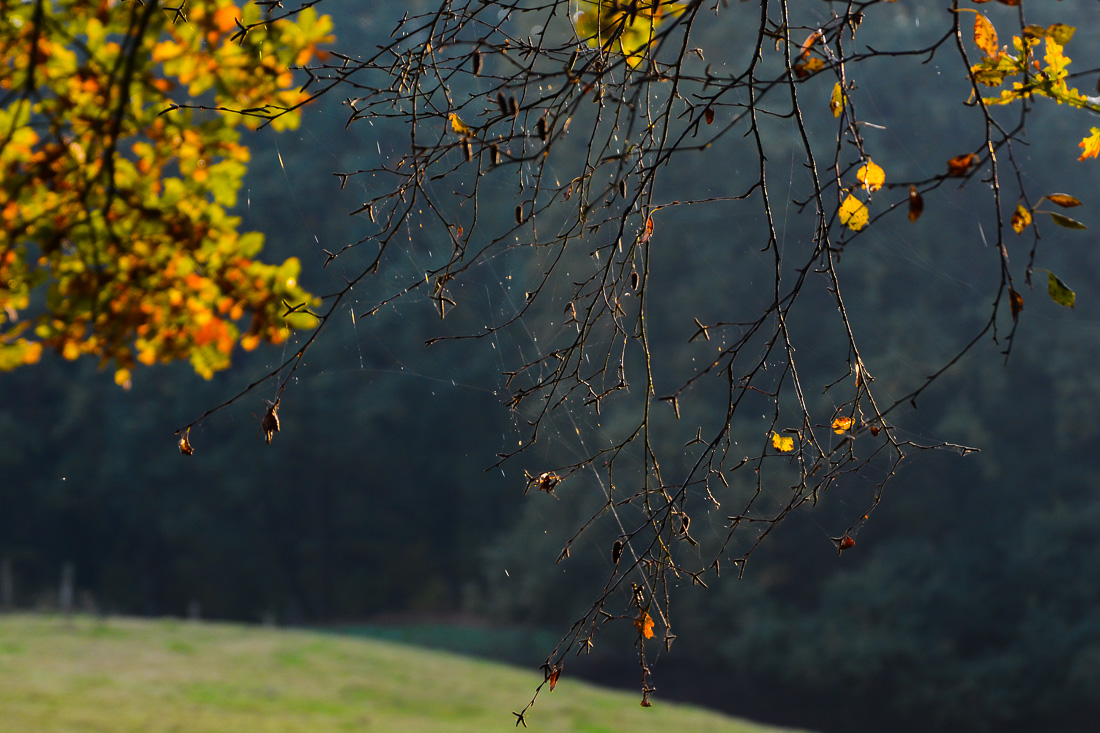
708,115
644,625
871,176
1059,291
185,443
616,552
783,444
1021,219
808,67
842,424
648,231
1063,199
854,214
1015,303
553,678
916,203
960,165
846,543
270,424
1065,221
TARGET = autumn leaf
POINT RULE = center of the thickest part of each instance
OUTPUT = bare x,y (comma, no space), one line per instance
916,203
1021,219
1062,199
960,165
1059,291
270,424
185,443
871,176
648,231
853,213
1091,145
644,625
808,67
458,125
1061,33
985,36
1065,221
842,424
553,678
1015,303
845,543
837,100
783,444
708,115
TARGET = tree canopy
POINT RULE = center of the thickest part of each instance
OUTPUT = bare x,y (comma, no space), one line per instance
558,141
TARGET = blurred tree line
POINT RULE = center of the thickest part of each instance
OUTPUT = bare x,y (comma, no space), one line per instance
966,604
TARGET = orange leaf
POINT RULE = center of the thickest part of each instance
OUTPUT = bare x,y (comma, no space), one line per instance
1015,303
916,203
644,625
553,678
1063,199
846,543
708,115
1091,145
961,164
648,229
842,424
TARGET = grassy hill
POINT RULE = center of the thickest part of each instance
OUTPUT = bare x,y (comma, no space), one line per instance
89,674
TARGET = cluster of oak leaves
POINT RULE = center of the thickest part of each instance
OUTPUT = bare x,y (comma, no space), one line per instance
116,241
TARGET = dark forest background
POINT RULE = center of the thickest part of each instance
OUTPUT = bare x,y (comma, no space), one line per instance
971,600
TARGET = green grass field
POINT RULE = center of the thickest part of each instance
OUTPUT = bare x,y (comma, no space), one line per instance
88,674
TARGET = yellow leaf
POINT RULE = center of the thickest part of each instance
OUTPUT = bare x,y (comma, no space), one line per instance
1061,33
871,176
1021,219
122,378
854,214
1091,144
837,100
842,424
985,36
782,444
458,125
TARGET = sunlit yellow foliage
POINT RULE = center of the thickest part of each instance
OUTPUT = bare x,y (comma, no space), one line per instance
854,214
871,175
113,193
837,100
1090,144
783,444
624,28
1021,219
842,424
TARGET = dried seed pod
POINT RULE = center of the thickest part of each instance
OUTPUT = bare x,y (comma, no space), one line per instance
519,214
467,150
617,551
513,106
476,58
502,103
541,128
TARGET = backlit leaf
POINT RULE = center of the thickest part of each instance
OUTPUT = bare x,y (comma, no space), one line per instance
1015,303
960,165
853,213
1059,291
1091,145
458,125
836,100
916,203
1061,33
1063,199
644,625
985,36
648,231
553,678
871,176
842,424
1065,221
783,444
1021,219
